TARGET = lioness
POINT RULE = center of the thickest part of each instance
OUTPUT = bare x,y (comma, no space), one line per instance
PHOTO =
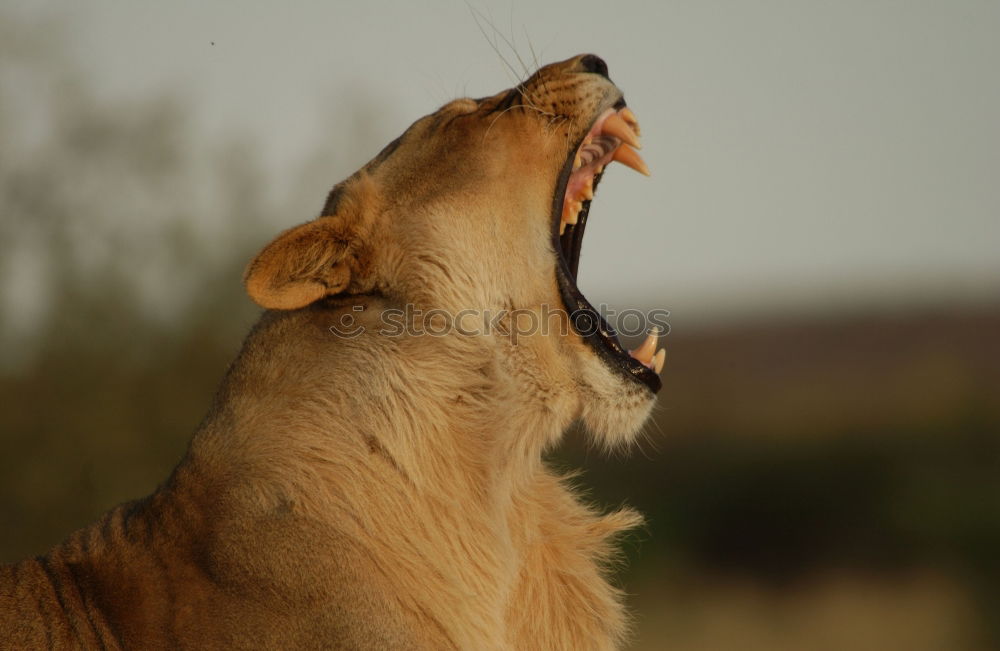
365,482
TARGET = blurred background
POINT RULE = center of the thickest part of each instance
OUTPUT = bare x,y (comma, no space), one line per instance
823,222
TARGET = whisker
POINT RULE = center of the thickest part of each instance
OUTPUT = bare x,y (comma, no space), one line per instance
534,58
479,17
510,108
512,46
476,16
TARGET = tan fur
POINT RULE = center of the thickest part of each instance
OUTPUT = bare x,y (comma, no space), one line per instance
379,492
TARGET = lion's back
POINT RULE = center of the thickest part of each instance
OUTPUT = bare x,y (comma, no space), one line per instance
34,613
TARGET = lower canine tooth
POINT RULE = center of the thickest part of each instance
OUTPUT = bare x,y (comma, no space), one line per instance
627,156
644,353
588,189
658,359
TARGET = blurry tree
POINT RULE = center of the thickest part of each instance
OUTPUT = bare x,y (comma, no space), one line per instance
123,235
122,239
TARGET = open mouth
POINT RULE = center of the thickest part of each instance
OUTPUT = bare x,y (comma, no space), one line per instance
614,136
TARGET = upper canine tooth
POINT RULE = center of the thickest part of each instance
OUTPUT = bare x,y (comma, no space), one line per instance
615,126
629,117
627,156
577,162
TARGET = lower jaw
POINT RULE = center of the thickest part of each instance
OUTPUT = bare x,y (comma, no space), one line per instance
585,319
598,334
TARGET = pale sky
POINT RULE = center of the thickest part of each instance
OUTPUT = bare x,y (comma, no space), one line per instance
805,154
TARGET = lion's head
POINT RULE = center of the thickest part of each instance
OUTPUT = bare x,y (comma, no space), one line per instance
478,208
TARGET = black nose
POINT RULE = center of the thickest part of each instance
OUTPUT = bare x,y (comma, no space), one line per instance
595,64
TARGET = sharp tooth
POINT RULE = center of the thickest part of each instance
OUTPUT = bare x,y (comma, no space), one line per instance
644,353
574,211
627,156
570,211
629,117
586,141
562,227
577,162
615,126
588,189
658,359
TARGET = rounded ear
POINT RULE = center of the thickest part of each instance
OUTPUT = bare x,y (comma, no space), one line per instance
301,266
